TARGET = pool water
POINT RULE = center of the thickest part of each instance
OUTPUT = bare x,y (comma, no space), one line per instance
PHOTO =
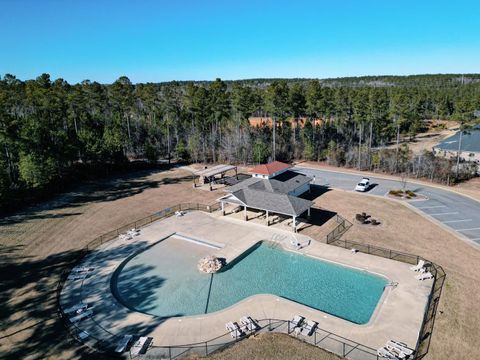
164,281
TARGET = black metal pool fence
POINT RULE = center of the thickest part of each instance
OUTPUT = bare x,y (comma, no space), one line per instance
322,338
425,335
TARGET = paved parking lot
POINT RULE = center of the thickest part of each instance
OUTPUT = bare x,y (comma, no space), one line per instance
456,211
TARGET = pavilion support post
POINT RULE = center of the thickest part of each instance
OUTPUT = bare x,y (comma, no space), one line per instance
210,182
294,224
194,183
308,212
223,208
268,223
245,213
236,174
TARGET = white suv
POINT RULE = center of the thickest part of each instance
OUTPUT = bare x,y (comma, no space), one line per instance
363,185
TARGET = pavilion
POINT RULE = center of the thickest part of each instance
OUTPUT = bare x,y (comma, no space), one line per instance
274,189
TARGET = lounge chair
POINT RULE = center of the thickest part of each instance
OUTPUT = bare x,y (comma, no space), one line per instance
297,321
80,276
125,237
76,308
82,335
123,344
133,232
249,324
82,269
309,328
401,347
235,331
81,316
424,276
419,266
396,352
141,346
383,352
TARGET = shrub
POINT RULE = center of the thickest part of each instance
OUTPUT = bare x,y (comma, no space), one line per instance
396,192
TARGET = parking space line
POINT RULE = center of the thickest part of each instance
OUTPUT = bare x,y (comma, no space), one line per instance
477,228
432,207
447,213
454,221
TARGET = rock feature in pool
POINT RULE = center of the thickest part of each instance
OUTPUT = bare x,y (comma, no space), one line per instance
164,281
210,264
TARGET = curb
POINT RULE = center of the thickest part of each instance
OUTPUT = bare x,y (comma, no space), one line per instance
380,176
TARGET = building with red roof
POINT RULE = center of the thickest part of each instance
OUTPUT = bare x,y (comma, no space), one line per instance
267,171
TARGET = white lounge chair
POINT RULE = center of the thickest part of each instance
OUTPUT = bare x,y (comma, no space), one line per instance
133,232
76,308
123,344
82,269
235,331
141,346
419,266
424,276
383,352
401,347
249,324
80,276
81,316
396,352
125,237
297,321
309,328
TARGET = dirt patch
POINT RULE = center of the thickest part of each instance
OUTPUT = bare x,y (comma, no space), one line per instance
458,319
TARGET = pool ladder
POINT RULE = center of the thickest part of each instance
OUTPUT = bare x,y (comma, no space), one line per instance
393,284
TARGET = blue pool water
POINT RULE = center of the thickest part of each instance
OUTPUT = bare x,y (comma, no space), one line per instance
164,281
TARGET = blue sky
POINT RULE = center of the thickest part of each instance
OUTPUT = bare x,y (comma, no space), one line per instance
201,40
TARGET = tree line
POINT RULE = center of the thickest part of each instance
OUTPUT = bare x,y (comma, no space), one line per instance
50,129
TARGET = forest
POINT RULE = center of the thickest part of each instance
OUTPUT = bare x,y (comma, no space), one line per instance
53,132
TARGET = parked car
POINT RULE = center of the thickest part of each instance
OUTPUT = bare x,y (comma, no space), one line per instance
363,185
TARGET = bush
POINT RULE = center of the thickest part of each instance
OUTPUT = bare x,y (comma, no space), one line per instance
410,193
396,192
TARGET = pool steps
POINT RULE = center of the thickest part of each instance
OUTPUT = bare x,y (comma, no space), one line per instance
197,241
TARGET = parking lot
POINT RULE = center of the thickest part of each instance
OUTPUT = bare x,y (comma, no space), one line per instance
455,211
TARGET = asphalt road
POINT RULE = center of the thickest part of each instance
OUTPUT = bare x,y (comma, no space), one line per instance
455,211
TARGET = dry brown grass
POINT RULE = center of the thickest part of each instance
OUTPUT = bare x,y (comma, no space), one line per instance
37,244
458,318
271,346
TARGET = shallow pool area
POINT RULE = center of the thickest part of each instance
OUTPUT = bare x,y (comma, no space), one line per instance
163,280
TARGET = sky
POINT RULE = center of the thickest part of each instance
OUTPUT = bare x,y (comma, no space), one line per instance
164,40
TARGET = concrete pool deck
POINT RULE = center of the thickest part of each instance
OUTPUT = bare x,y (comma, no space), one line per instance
398,315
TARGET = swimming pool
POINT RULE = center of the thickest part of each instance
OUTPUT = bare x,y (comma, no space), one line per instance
164,281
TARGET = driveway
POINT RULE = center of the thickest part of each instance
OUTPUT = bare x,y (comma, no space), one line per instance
453,210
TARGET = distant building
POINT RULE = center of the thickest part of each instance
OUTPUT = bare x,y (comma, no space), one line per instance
470,150
265,121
